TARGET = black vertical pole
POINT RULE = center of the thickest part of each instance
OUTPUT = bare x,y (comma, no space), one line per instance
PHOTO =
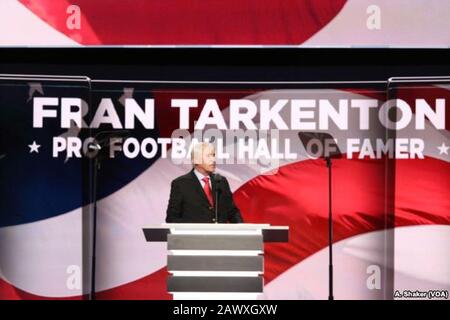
94,225
216,204
330,234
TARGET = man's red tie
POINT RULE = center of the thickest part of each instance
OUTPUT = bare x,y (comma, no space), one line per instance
207,190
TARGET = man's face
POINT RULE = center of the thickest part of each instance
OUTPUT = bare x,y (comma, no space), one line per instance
208,161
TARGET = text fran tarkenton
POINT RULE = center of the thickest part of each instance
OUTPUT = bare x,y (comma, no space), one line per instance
248,130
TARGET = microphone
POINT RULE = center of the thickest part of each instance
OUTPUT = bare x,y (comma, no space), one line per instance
94,147
102,139
217,179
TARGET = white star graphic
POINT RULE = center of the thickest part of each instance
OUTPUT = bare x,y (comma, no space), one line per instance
34,87
127,94
443,149
34,147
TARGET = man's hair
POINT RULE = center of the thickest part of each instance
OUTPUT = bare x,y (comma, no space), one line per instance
197,151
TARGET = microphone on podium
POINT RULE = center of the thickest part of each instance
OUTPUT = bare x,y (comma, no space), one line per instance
217,182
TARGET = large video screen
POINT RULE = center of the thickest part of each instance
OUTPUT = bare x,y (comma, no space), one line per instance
350,158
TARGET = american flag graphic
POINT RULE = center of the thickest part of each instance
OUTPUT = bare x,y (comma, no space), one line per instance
245,22
389,216
42,202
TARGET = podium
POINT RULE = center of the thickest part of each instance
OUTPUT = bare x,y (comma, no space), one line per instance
215,261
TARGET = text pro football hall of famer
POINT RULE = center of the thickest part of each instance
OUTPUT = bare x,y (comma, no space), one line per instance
193,195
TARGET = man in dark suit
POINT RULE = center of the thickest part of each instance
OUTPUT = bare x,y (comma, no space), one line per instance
193,195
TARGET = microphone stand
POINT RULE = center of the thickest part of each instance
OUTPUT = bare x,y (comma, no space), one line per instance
217,180
94,147
97,147
216,204
94,240
306,137
330,233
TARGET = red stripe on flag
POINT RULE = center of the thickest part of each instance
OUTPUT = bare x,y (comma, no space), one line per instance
190,22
